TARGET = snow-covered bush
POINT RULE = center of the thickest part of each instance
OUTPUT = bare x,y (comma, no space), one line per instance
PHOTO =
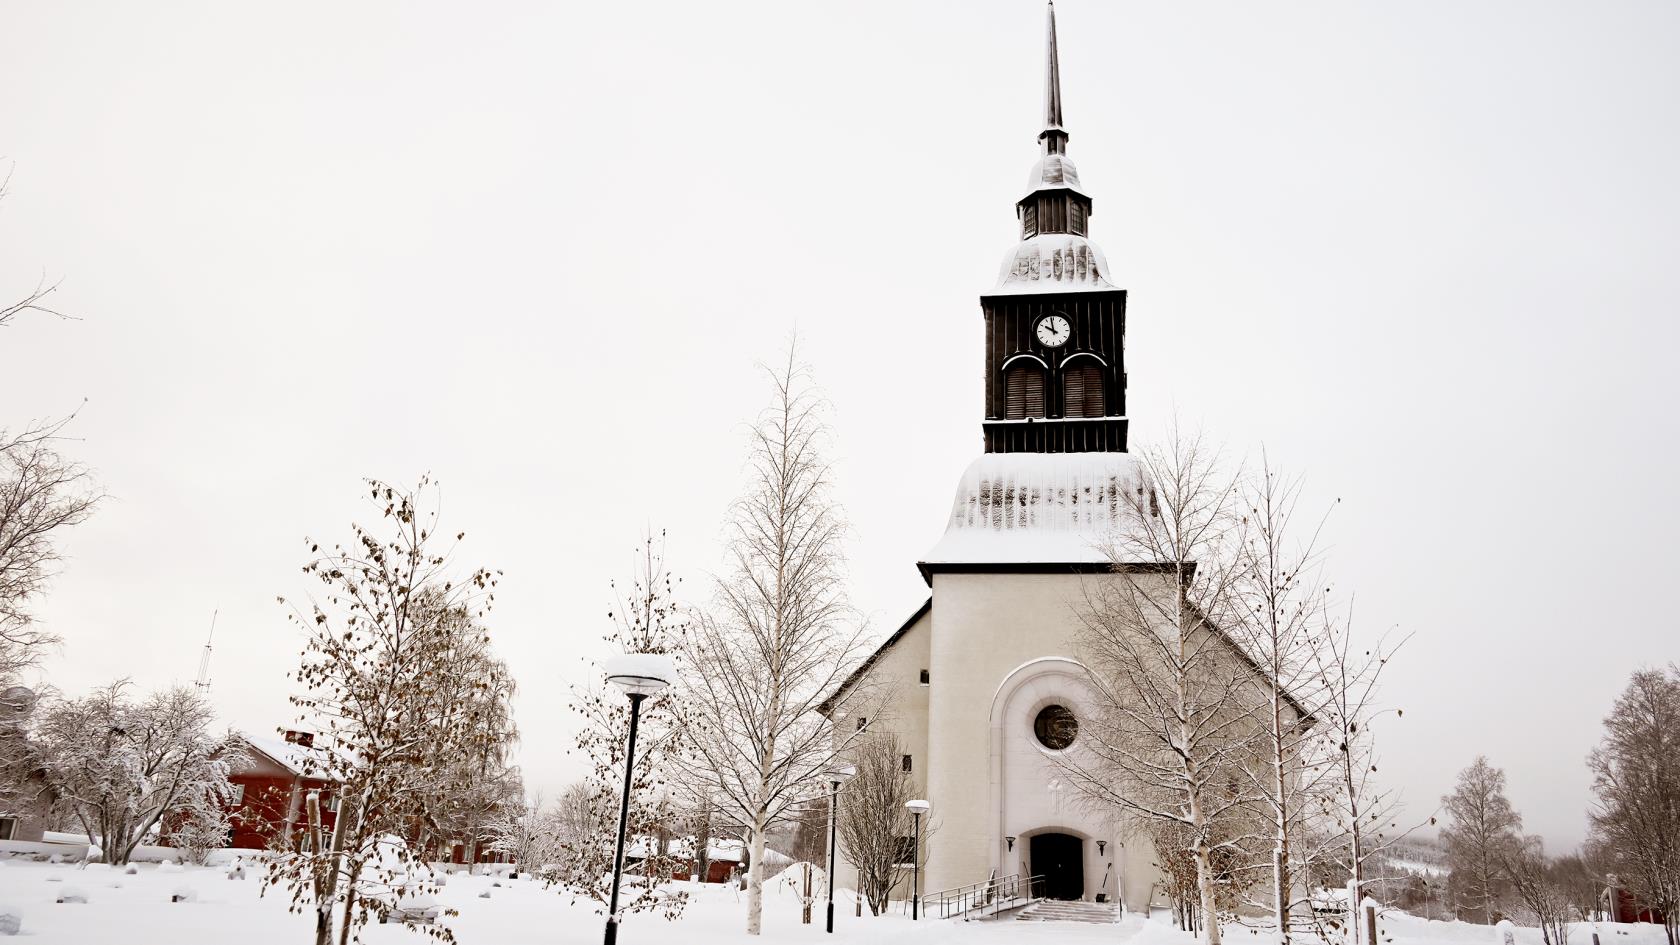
72,894
184,894
11,919
124,767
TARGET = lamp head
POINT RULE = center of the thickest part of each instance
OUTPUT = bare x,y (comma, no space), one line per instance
640,674
917,806
839,773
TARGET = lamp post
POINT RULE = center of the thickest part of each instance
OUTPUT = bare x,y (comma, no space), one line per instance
836,776
640,675
917,809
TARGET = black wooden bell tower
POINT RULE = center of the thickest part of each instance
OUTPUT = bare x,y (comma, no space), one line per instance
1055,324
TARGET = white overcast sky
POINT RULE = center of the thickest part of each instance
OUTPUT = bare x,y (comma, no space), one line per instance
1424,252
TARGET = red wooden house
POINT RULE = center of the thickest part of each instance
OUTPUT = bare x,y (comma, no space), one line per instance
1620,905
270,788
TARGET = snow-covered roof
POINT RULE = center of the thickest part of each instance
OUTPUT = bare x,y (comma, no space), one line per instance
1053,262
1039,508
301,761
1053,172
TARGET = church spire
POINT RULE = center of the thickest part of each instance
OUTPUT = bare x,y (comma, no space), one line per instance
1055,253
1052,80
1054,137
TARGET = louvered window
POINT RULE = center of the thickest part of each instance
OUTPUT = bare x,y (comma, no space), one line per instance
1029,221
1024,385
1082,390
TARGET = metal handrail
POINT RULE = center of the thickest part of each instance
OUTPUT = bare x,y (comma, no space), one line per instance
996,895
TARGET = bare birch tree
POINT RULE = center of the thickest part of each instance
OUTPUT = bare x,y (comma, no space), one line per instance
781,635
1482,833
41,494
470,788
34,300
1357,812
1536,884
873,819
1175,729
1636,780
1280,627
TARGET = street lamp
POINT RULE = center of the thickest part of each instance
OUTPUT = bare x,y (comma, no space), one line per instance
836,776
917,809
640,675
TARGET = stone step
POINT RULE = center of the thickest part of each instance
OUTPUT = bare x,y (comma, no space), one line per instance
1056,910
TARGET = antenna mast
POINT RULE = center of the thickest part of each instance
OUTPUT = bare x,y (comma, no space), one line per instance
203,683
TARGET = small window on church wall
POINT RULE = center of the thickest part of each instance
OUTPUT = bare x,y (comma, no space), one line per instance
906,851
1082,389
907,762
1024,391
924,677
1055,727
862,722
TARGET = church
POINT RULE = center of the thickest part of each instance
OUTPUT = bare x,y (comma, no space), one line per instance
983,682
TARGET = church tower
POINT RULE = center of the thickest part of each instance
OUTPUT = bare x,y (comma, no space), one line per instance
983,685
1055,324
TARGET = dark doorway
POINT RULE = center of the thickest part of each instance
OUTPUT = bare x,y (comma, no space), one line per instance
1060,859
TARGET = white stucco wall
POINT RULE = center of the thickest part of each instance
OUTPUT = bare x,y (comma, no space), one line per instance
1002,646
895,701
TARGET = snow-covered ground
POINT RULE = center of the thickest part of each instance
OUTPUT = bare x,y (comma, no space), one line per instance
135,909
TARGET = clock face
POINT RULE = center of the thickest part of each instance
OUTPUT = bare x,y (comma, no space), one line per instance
1054,331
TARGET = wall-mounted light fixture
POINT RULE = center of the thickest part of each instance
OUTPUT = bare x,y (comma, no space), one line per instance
1011,842
1100,845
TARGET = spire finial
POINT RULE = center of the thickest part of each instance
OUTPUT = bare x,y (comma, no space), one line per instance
1052,77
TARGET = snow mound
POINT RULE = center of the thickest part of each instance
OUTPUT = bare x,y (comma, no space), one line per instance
11,919
72,894
184,894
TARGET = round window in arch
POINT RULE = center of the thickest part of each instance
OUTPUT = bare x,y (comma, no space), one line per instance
1055,727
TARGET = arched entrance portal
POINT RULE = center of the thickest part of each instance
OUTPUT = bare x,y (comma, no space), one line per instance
1060,859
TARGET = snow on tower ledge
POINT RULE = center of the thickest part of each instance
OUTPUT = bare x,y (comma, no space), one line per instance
1053,262
1039,508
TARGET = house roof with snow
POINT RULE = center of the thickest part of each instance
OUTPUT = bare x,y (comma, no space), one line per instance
297,760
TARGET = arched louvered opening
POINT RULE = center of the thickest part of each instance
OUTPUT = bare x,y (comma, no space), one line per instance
1082,389
1024,390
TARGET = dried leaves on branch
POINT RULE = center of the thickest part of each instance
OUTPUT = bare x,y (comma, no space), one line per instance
646,618
397,681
